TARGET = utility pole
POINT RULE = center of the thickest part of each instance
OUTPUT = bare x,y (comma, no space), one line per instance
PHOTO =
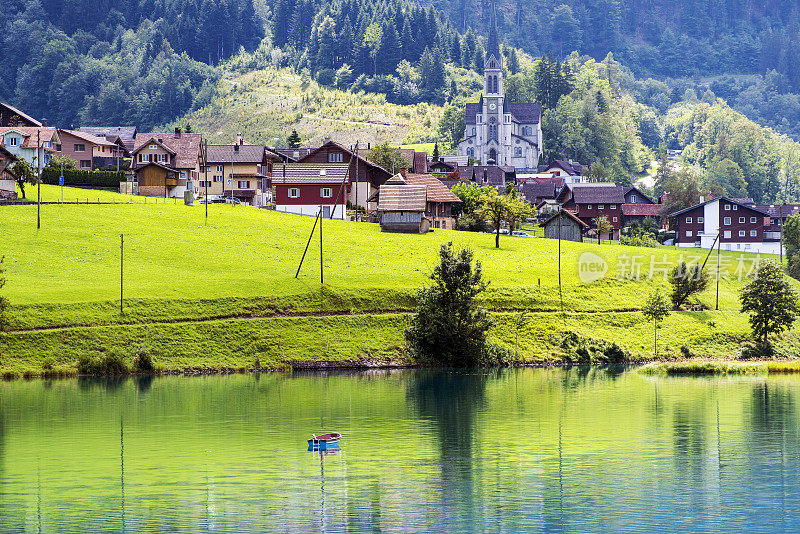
321,270
38,181
121,268
719,246
205,174
560,292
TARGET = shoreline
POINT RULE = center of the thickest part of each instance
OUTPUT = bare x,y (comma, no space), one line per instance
651,367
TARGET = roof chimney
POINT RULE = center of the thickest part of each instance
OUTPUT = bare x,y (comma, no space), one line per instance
44,123
177,132
403,172
326,140
239,140
236,148
702,199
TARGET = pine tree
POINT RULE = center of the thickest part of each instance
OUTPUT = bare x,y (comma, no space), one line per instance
293,140
435,154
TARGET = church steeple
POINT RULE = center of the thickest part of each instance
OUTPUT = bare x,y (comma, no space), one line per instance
493,45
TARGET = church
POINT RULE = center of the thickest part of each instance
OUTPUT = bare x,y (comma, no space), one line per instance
498,132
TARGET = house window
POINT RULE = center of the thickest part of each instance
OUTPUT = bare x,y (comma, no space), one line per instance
517,152
218,178
80,148
688,233
219,168
727,235
473,131
633,199
727,207
58,148
480,119
613,206
326,192
688,220
86,164
735,207
12,141
614,219
741,233
699,220
335,157
600,206
244,184
153,147
752,219
753,233
183,175
47,144
294,192
741,220
588,206
726,221
161,158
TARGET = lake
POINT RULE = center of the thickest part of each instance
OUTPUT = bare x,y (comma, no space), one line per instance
517,450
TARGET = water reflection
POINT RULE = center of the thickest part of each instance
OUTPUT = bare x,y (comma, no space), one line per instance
521,450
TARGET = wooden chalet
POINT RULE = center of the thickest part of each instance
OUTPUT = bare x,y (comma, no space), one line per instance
401,208
8,181
166,165
564,225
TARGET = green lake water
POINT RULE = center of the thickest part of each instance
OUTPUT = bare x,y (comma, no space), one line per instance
520,450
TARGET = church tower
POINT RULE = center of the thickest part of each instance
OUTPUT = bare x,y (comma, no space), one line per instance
493,99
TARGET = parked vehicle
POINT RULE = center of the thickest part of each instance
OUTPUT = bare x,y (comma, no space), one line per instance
518,233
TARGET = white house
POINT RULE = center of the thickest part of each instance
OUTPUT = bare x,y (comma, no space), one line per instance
22,141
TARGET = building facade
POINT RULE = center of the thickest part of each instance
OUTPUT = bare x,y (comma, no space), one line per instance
498,132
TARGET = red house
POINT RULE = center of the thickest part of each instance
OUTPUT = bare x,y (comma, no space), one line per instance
303,188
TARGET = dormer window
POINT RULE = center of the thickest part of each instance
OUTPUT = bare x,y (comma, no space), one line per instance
12,141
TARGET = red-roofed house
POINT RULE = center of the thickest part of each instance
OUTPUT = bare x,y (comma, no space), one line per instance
165,165
88,150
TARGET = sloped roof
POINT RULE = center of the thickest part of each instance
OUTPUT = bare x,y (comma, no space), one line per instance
751,208
402,197
573,168
123,132
89,138
648,210
599,194
245,154
522,112
29,133
533,190
345,149
493,43
779,210
293,154
566,213
21,114
186,146
437,191
309,173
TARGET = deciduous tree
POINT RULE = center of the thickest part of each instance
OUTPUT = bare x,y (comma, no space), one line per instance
770,300
655,309
24,174
686,281
448,327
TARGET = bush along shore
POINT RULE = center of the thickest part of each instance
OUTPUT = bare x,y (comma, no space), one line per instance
241,308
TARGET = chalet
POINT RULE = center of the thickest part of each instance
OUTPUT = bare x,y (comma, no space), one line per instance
11,116
365,177
571,171
589,201
535,192
8,183
166,165
439,200
488,175
739,226
301,188
564,225
238,170
116,134
401,208
441,167
22,142
90,151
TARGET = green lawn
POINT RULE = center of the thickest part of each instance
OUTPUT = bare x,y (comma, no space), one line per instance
242,261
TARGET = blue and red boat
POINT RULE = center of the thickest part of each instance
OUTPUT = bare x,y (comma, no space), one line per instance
324,442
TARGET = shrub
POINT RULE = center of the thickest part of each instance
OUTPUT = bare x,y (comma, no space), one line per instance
111,363
638,241
686,281
83,178
497,354
143,363
448,327
754,352
587,350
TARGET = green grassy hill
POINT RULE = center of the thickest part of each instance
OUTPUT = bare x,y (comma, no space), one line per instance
267,104
223,292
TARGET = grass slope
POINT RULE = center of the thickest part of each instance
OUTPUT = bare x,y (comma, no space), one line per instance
264,105
207,293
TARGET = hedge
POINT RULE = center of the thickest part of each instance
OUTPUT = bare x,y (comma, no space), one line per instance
75,177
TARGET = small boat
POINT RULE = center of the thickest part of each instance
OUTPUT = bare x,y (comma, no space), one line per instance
323,442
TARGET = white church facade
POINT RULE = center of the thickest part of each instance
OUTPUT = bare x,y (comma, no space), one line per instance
498,132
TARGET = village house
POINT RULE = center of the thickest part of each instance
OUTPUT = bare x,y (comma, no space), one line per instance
166,165
302,188
401,208
8,183
364,179
11,116
116,134
591,200
488,175
570,171
89,151
439,200
564,225
238,170
739,226
22,142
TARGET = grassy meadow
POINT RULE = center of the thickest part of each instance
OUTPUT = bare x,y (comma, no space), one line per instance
223,292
